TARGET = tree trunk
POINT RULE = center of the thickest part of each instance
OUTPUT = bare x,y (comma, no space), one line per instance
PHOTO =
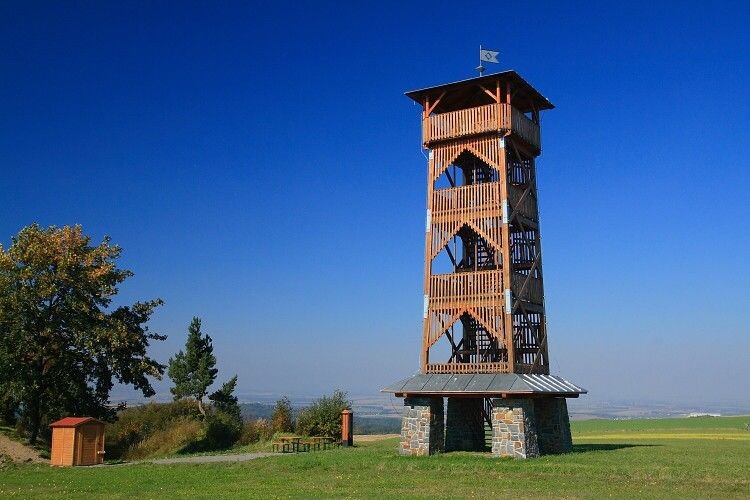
34,420
201,408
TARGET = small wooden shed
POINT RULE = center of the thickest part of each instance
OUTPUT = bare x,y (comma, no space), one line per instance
77,441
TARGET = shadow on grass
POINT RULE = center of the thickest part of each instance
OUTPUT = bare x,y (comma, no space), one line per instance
585,448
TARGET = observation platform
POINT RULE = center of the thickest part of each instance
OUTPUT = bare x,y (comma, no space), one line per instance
474,106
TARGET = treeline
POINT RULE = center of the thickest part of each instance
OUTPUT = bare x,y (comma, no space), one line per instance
63,346
377,425
158,429
200,419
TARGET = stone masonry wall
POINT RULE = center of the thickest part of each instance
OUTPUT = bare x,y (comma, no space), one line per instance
464,425
514,428
553,425
422,428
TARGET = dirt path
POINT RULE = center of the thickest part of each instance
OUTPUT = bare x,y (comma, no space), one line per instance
205,459
18,452
238,457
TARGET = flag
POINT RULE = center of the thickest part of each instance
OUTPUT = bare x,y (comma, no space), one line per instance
488,56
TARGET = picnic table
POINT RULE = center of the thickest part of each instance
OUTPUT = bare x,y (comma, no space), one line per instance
288,443
323,441
295,444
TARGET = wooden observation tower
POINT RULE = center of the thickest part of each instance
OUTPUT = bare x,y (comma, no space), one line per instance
484,342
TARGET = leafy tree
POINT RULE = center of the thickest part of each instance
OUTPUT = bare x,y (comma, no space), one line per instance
194,370
61,347
281,419
8,409
323,417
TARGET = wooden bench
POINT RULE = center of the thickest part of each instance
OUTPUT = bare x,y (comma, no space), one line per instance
282,447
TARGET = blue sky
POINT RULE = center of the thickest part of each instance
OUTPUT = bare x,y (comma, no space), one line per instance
261,168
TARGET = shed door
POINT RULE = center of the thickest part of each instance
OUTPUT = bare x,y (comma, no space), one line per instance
89,445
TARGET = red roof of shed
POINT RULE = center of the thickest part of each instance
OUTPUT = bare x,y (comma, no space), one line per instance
73,421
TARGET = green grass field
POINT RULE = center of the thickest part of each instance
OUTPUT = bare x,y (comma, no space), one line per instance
669,458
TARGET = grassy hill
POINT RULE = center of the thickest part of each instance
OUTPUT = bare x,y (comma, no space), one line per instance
669,458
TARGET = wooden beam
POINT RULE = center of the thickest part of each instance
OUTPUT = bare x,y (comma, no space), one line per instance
430,109
491,94
450,178
507,93
507,271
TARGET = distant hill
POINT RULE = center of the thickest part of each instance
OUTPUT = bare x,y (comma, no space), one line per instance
377,425
252,411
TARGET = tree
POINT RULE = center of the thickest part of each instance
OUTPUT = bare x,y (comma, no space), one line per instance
194,370
224,424
225,401
61,347
281,418
323,417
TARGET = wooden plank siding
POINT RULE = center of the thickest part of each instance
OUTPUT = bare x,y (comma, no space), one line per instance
63,446
77,443
89,445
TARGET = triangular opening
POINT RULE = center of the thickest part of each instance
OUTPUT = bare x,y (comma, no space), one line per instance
465,170
467,341
466,251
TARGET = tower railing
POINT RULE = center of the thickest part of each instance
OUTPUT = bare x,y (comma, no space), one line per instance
478,120
459,199
490,367
527,287
525,128
466,288
523,201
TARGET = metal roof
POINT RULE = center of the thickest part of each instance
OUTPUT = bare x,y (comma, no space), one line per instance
485,384
510,75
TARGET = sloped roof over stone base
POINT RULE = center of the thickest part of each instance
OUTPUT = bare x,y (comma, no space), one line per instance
485,384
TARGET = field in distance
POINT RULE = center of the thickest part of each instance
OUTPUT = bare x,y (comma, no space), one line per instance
664,458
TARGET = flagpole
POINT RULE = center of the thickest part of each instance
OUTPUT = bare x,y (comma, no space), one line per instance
480,68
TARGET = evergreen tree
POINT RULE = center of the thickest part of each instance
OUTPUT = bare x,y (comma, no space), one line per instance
194,370
224,399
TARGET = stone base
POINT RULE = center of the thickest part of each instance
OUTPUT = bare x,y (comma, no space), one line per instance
521,427
525,428
514,428
422,427
553,426
464,425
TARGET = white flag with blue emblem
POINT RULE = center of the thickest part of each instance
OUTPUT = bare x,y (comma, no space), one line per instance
488,56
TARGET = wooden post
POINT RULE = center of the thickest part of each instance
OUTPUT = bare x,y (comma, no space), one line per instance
507,269
347,428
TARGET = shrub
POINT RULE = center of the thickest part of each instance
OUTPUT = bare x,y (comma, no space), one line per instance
221,431
182,435
166,428
256,430
323,417
136,425
282,420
